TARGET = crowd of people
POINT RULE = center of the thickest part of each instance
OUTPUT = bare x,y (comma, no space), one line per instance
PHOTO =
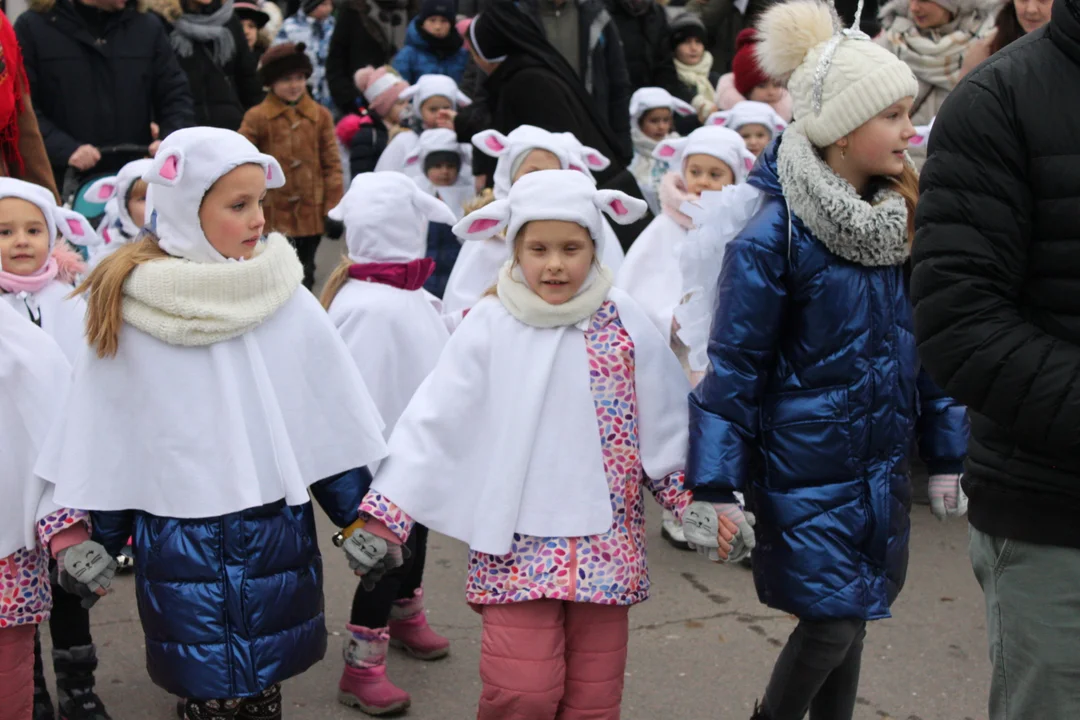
757,258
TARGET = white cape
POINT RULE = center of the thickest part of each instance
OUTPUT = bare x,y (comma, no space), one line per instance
651,273
393,157
34,378
206,431
63,318
502,437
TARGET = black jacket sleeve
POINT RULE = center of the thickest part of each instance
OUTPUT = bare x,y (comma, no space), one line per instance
975,223
665,76
174,106
245,68
59,145
618,90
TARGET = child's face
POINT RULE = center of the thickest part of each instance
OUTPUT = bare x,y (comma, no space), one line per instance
437,26
431,108
767,92
537,160
291,87
656,123
555,257
24,237
396,110
690,51
136,204
757,137
232,215
704,172
251,32
876,148
323,11
442,174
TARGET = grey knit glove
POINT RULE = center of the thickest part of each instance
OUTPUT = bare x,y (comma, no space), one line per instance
370,556
85,570
701,526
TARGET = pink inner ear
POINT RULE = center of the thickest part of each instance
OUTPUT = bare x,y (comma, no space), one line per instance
482,224
719,121
749,163
779,127
667,151
594,159
618,207
105,234
493,143
105,191
412,160
577,167
917,140
169,168
75,227
269,172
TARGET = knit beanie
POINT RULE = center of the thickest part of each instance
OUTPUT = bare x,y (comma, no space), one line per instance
281,60
436,8
686,26
380,88
308,6
838,79
744,66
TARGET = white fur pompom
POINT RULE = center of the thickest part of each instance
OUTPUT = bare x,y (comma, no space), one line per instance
788,31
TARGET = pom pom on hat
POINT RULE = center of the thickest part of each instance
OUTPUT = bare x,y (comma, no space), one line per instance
838,79
380,88
744,66
281,60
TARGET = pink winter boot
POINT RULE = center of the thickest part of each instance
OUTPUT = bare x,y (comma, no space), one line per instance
409,629
364,683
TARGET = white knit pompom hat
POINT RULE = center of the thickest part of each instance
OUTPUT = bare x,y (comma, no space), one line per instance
838,78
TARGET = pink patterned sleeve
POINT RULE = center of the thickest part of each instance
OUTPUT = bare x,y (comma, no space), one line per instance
379,507
59,521
670,493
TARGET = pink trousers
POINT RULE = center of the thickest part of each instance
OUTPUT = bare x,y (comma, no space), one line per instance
553,660
17,673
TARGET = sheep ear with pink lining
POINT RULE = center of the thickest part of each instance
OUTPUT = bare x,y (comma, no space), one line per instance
102,190
73,226
487,222
492,143
669,150
620,207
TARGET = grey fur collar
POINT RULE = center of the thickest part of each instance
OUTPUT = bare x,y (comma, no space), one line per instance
873,235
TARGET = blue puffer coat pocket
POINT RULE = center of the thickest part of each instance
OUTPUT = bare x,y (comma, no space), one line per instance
805,436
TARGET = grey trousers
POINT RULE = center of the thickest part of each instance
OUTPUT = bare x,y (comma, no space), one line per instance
1033,621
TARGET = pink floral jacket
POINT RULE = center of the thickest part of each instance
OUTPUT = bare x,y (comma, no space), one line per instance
608,569
25,595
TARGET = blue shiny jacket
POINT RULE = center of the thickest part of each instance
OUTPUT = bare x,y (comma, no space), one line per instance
231,605
811,404
417,58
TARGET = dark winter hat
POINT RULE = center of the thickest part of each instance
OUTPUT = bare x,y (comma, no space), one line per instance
437,8
308,6
686,26
748,74
442,157
251,11
281,60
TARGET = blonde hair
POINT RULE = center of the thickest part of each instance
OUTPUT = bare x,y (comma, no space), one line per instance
335,282
483,198
105,292
907,185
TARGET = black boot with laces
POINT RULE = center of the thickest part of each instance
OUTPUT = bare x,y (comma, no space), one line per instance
75,684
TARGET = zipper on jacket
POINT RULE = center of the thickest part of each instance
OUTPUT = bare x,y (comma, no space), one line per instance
228,624
573,570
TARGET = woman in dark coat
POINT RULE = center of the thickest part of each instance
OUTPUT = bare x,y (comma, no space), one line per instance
213,52
358,41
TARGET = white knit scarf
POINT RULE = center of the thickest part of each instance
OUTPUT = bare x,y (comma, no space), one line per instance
698,77
194,304
528,307
935,56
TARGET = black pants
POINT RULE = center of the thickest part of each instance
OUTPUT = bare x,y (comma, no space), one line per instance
69,623
371,608
818,670
306,246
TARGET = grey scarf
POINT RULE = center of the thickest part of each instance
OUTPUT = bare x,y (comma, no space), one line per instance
192,28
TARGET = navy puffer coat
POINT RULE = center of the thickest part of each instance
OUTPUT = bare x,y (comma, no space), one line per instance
811,404
231,605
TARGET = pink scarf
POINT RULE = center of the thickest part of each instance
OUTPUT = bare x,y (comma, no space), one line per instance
408,275
12,283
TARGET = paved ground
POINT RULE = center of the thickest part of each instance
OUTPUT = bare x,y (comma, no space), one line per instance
701,648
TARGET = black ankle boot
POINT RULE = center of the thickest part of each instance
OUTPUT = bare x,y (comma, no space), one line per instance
759,713
43,707
75,684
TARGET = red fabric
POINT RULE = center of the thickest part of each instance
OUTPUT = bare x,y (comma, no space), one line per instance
17,672
349,125
407,276
12,81
553,660
68,537
748,74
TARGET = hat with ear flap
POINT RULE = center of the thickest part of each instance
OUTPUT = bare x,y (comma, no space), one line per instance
512,148
749,112
565,195
386,217
186,166
114,190
429,86
583,158
725,145
58,220
651,98
433,141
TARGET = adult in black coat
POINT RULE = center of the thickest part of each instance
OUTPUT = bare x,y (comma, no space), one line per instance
646,39
529,82
359,40
210,45
996,286
99,74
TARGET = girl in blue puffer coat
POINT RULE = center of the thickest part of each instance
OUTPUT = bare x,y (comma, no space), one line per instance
204,346
813,395
433,46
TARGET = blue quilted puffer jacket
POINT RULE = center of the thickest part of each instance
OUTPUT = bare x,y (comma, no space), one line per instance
231,605
417,58
812,403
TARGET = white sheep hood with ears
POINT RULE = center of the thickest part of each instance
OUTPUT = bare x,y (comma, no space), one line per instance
508,148
650,98
58,220
725,145
386,217
749,112
438,140
429,86
114,191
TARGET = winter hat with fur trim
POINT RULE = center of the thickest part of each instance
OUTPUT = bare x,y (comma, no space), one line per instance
436,140
725,145
380,88
115,189
186,166
513,148
650,98
749,112
68,223
552,195
838,78
281,60
386,217
429,86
